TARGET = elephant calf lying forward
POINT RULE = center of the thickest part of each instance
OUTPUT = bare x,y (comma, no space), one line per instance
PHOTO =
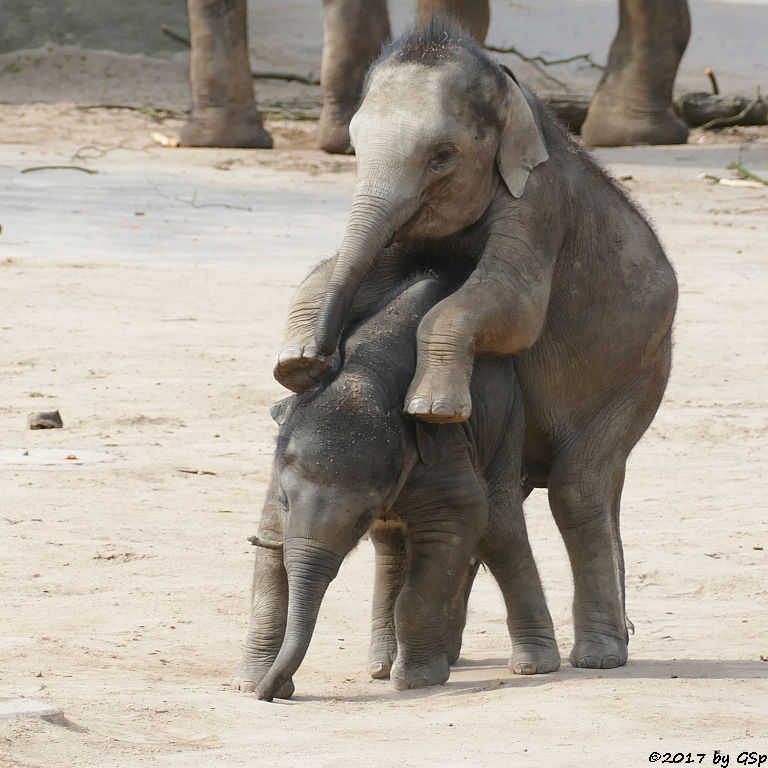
348,461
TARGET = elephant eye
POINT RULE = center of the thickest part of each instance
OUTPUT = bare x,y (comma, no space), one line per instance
442,157
283,500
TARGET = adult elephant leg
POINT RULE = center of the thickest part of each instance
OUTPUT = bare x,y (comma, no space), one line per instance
391,563
633,102
472,15
585,495
223,107
507,553
269,602
354,32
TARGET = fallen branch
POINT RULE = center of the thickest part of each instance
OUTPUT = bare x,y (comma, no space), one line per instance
287,76
745,174
58,168
174,35
547,63
733,120
158,113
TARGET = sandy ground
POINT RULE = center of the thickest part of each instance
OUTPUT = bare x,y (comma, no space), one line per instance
144,301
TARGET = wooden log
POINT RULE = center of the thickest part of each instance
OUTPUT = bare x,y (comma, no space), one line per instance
700,108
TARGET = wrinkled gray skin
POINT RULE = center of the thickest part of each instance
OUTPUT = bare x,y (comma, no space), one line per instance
456,162
348,461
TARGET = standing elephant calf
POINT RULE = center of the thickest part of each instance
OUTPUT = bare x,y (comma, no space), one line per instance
348,461
460,166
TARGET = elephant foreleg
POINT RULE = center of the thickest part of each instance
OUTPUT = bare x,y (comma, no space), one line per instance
445,517
498,310
391,563
269,603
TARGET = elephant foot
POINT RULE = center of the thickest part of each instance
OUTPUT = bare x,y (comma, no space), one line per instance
217,127
597,651
333,130
249,676
434,672
537,656
299,369
618,127
381,657
440,400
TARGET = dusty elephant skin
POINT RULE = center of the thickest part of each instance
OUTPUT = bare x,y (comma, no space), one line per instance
347,460
456,162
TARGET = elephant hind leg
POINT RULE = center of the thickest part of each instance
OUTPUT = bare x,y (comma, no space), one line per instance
585,503
506,551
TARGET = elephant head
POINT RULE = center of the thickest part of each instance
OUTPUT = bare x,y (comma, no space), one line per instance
441,130
338,467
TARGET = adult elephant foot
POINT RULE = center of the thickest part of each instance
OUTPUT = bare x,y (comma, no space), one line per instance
333,130
249,675
537,656
404,675
222,127
613,121
593,650
224,110
633,102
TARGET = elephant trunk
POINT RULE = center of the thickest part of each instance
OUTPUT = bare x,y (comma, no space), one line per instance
310,571
377,213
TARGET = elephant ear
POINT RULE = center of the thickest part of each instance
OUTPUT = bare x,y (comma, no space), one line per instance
281,410
521,147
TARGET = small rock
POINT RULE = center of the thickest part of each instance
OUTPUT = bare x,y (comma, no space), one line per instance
45,420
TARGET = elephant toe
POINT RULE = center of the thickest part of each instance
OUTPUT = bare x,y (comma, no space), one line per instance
379,670
246,686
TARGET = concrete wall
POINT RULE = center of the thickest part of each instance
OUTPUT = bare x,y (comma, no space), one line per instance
127,26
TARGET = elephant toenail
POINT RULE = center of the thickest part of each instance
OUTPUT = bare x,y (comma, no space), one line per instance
289,353
609,662
589,662
418,405
442,408
524,668
377,670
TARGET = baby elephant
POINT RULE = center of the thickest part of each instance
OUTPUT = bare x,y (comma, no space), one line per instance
348,461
